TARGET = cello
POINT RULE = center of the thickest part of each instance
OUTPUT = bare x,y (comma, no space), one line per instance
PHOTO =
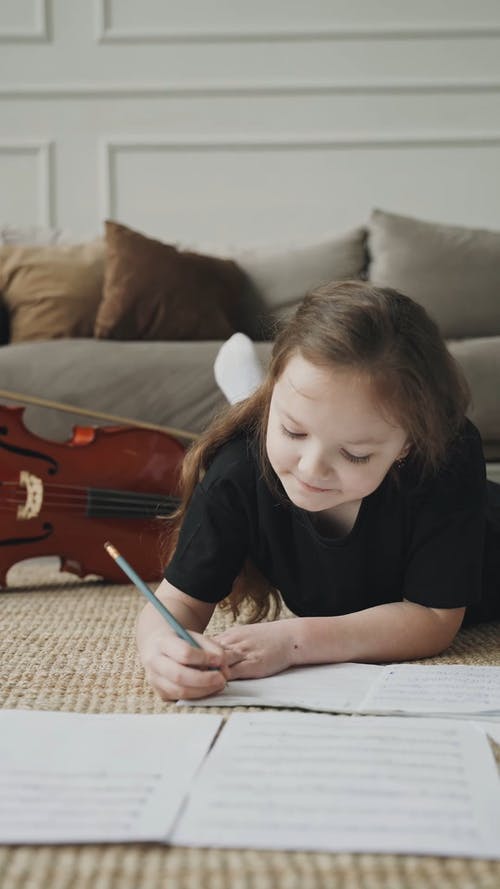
65,499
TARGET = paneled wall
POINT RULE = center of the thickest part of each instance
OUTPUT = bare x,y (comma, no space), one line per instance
237,122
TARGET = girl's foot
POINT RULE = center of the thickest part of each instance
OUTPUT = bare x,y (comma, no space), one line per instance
237,369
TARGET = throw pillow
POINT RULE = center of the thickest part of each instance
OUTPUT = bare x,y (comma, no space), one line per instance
480,361
30,234
51,291
279,278
153,291
4,323
454,272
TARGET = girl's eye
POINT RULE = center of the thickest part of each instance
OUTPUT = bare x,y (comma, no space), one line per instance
291,434
353,459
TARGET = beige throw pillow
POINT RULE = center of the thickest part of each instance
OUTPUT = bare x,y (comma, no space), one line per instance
454,272
51,291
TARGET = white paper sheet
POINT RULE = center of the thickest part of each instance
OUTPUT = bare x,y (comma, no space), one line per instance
435,689
72,777
334,783
336,688
417,689
492,729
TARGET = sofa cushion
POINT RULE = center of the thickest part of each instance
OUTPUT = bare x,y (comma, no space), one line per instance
153,291
173,384
170,384
278,278
454,272
480,360
31,234
4,323
51,291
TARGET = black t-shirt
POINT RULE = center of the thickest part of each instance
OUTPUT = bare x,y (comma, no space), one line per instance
421,541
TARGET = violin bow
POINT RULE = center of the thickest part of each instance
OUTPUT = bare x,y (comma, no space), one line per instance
96,415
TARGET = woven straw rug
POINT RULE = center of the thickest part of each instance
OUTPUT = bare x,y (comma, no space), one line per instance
69,645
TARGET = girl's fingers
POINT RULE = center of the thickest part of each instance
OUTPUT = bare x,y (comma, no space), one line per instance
225,639
177,669
245,669
174,681
210,654
169,692
233,655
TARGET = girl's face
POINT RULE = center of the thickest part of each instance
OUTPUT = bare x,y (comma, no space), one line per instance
328,440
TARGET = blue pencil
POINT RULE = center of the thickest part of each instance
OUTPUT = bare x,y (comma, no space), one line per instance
143,587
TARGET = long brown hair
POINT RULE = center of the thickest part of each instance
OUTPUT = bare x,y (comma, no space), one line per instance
352,324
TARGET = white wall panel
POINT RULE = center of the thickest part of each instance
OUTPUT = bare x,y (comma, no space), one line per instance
248,121
292,191
24,20
26,183
75,57
261,19
282,118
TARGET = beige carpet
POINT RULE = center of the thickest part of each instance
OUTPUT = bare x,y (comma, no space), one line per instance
68,645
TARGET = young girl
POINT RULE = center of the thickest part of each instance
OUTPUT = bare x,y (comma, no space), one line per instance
352,483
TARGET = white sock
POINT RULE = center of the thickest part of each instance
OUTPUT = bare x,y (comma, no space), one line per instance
237,369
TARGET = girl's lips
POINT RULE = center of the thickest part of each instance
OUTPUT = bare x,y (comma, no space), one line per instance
313,487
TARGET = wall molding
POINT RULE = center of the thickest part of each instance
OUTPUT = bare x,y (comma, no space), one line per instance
110,147
221,90
43,153
106,33
40,33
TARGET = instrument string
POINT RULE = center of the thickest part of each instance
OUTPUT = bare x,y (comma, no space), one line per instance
61,496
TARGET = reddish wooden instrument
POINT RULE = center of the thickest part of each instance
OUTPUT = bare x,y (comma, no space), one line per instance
66,499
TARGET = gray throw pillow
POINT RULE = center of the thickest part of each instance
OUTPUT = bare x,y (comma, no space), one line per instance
454,272
278,279
480,362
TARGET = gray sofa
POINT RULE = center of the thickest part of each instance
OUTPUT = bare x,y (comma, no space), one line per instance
453,271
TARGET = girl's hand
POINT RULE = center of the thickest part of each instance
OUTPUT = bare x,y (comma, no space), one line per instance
256,650
176,669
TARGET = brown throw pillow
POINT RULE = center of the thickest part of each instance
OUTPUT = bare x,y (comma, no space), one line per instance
152,291
51,291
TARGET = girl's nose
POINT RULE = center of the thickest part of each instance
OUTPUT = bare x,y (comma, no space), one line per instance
313,468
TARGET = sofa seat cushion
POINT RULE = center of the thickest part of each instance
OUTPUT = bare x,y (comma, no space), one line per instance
170,384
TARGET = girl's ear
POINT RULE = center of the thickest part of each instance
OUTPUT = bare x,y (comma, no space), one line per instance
405,450
401,459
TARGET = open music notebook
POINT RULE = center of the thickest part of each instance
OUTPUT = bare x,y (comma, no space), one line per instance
415,689
269,780
336,783
92,778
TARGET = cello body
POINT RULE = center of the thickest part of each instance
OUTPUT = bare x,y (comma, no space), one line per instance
67,499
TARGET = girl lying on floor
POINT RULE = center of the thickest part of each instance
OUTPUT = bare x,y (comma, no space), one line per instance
349,480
